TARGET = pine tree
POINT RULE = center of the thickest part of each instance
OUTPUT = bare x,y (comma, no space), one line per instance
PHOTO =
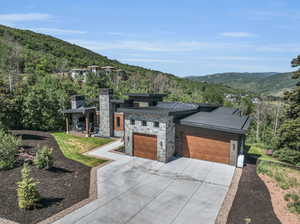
28,194
289,137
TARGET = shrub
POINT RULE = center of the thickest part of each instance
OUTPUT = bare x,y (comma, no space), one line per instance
9,145
287,155
43,158
28,196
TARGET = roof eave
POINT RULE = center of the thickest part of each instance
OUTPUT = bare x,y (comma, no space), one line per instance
213,127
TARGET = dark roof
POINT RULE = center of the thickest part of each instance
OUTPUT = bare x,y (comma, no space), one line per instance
78,110
117,101
177,106
222,118
146,95
164,108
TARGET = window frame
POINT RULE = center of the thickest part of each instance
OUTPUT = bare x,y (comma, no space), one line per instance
118,123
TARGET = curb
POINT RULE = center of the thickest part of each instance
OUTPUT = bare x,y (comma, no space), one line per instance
228,200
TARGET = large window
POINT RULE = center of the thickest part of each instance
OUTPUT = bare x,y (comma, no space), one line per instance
118,122
156,124
132,122
144,123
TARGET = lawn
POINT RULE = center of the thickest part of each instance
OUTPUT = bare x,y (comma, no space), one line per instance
73,147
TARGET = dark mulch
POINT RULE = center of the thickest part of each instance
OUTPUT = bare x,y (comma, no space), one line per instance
252,199
65,184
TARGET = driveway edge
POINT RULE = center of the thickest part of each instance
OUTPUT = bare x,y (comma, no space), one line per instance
228,200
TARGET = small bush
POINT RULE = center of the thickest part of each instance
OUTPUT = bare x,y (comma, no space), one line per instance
287,155
292,196
28,196
9,145
43,158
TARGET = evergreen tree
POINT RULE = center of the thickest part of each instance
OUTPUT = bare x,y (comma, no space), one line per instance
289,136
28,195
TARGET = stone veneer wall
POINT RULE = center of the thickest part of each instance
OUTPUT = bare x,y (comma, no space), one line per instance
119,134
106,113
165,137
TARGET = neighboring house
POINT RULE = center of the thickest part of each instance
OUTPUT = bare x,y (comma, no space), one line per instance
159,130
81,73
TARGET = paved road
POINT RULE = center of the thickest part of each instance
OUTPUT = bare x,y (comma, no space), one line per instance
139,191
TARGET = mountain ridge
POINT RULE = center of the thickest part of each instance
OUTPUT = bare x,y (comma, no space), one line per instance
268,83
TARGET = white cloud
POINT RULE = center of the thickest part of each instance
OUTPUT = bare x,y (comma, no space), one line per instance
57,31
154,46
149,60
188,46
20,17
237,34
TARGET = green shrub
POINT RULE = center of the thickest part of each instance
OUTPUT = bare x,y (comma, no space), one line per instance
288,155
43,158
28,196
9,145
264,168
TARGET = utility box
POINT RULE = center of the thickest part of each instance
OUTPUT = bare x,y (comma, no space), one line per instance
240,161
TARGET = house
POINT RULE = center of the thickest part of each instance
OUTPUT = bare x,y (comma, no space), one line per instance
158,130
79,73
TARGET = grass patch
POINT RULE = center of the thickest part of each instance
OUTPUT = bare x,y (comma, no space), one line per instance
73,147
258,150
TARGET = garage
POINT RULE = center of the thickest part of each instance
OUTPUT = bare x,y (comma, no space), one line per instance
145,146
204,148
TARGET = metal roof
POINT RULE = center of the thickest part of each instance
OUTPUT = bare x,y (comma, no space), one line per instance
78,110
177,106
146,94
222,118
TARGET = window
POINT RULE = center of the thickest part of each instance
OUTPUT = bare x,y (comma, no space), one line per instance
156,124
144,123
118,122
132,122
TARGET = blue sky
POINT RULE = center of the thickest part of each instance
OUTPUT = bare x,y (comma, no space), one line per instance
183,37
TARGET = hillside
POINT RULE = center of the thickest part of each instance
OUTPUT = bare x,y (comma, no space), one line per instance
269,83
26,52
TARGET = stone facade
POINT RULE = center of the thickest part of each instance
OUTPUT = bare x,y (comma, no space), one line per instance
106,113
165,134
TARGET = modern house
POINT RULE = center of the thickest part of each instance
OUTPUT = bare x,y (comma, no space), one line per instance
159,130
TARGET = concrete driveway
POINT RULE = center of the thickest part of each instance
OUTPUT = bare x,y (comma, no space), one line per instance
134,190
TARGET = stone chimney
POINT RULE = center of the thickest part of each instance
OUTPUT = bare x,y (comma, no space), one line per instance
106,113
77,101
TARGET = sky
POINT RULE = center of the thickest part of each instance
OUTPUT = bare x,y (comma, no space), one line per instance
182,37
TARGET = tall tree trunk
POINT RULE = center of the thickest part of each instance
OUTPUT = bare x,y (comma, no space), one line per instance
276,119
257,124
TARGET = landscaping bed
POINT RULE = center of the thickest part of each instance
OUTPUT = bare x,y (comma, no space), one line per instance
283,184
252,203
64,185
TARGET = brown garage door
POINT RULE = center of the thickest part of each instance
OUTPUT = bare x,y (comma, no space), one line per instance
206,148
145,146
